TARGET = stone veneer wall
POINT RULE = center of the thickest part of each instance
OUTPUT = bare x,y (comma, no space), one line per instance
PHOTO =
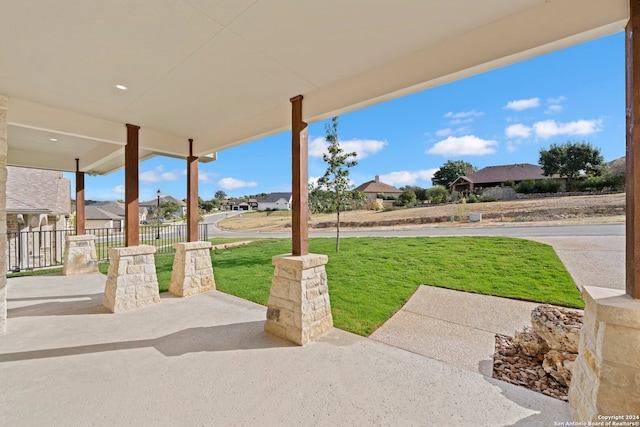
4,105
606,374
80,255
192,271
132,282
299,308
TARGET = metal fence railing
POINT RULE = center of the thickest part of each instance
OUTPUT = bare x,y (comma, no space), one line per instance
29,250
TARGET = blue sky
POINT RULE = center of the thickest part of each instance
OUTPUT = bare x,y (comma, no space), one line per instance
500,117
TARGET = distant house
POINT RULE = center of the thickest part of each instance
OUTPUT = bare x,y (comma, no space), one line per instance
109,215
38,204
496,176
152,205
376,187
99,216
275,202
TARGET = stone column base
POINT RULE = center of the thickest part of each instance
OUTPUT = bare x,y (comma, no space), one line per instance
606,374
132,282
192,270
299,308
80,255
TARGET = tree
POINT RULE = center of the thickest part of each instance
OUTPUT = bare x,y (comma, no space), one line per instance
438,194
336,179
220,195
168,209
450,171
569,159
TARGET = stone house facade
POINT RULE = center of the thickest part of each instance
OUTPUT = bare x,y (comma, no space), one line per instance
38,205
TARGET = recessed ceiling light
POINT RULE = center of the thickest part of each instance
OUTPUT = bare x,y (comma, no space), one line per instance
53,139
121,87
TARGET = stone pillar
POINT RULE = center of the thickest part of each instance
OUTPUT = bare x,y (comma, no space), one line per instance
299,308
4,105
192,270
606,374
132,282
80,255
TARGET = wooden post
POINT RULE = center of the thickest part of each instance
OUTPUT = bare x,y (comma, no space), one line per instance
80,214
192,195
300,177
632,45
131,208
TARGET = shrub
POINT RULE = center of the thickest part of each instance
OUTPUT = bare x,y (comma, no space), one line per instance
438,194
526,187
509,183
546,186
472,198
487,199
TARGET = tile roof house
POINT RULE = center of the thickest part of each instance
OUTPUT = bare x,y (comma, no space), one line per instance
496,176
375,187
38,203
276,202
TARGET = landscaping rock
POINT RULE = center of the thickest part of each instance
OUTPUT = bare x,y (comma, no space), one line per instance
530,343
558,327
558,364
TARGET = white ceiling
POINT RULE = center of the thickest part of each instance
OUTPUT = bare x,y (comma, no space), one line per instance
222,71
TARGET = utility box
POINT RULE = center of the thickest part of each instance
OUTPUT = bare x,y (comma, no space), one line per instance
475,217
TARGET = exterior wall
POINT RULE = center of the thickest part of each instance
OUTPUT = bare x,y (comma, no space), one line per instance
4,105
98,223
279,205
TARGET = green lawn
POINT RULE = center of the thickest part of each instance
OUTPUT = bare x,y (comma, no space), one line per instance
371,278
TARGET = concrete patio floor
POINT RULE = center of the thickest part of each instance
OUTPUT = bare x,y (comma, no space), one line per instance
205,360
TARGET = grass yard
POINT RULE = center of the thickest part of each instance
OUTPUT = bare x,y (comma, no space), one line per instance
371,278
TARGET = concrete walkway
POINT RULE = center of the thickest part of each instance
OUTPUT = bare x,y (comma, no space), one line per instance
205,360
459,328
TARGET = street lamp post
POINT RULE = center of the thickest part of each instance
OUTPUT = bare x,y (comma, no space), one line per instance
158,215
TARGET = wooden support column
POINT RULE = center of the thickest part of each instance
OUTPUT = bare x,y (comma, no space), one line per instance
300,177
131,208
80,214
632,33
192,195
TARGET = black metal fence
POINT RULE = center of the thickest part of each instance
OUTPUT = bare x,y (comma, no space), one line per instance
29,250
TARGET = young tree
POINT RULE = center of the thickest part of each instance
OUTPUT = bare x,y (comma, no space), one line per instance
336,179
568,159
450,171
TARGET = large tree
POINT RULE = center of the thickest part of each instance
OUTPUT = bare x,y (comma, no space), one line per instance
335,180
220,195
450,171
569,159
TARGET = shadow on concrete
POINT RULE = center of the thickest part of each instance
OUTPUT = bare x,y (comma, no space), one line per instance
89,304
543,413
237,336
51,297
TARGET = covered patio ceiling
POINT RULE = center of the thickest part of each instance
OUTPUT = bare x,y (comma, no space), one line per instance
222,71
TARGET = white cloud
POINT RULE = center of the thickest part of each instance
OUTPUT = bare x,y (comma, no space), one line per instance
554,105
510,147
518,131
158,174
364,147
463,114
233,183
119,189
206,177
449,131
523,104
400,178
549,128
553,109
467,145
